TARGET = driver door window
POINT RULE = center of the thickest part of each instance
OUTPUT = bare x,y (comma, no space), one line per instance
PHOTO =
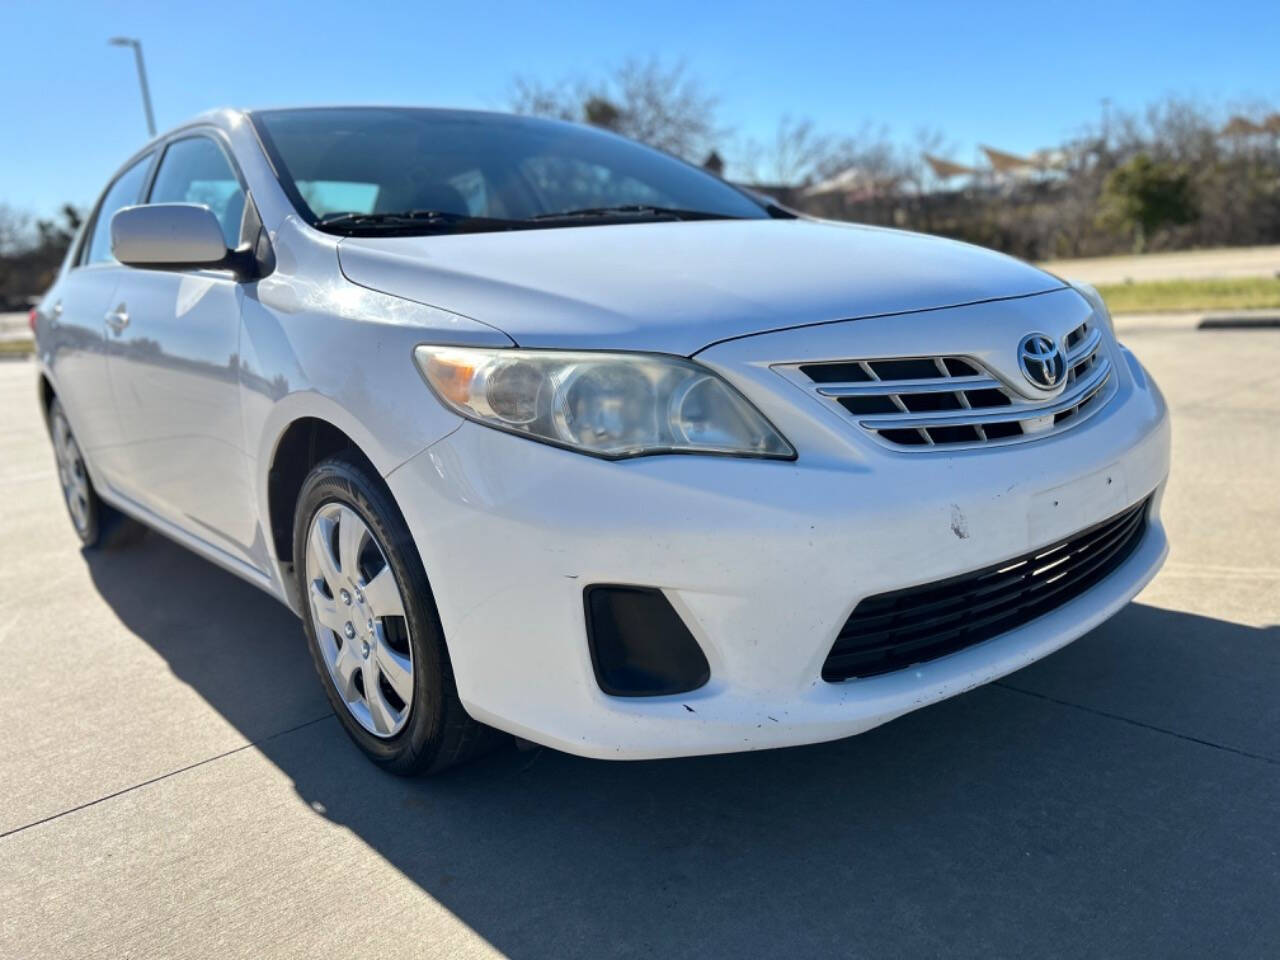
195,170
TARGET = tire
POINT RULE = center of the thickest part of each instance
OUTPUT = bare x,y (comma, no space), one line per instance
428,730
98,525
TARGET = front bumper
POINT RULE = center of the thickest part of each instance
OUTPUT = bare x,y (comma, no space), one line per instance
763,560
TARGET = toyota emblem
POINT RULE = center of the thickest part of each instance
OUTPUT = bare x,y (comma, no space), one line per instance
1042,361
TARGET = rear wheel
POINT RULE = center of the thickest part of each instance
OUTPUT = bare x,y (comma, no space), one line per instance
95,523
372,625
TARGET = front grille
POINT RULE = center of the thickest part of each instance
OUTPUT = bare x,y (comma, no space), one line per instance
894,630
924,402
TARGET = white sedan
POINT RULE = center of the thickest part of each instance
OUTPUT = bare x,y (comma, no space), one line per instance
545,432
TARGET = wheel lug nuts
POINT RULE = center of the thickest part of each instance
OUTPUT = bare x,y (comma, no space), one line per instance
349,630
346,597
359,596
364,649
371,624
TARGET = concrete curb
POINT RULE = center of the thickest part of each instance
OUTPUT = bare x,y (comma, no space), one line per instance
1240,323
1196,320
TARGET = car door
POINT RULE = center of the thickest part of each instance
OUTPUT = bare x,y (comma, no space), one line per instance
77,329
174,364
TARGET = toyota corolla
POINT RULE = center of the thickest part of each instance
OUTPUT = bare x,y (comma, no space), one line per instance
541,431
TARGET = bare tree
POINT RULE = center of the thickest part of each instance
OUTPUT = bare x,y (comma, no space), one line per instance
666,107
561,101
793,156
1232,169
663,106
15,230
29,257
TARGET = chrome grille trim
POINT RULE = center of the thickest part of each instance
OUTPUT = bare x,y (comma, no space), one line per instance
1093,339
949,385
1098,375
904,404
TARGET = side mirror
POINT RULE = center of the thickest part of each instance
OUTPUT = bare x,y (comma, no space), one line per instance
174,236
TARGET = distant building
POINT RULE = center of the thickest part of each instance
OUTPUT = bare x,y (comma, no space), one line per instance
854,184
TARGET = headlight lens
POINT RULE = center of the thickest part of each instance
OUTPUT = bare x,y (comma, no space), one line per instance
607,404
1090,293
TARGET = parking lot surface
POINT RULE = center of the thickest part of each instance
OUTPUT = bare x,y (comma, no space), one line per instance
1175,265
14,326
175,786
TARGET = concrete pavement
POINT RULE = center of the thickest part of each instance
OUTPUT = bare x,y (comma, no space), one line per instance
14,326
174,785
1176,265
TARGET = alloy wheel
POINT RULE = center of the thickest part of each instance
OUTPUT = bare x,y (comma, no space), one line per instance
359,619
71,473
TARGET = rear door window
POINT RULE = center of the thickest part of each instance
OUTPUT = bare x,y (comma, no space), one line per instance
125,192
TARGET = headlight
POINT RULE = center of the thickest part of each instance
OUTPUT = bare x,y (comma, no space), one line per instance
1090,293
607,404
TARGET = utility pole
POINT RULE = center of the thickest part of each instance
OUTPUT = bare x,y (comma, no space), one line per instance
142,77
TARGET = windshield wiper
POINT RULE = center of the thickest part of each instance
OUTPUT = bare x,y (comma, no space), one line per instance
634,210
411,221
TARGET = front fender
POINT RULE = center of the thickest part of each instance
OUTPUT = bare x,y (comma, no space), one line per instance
313,344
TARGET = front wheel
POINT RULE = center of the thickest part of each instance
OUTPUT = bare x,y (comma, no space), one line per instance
372,625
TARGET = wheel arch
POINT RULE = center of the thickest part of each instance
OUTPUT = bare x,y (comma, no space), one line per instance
304,427
305,442
47,395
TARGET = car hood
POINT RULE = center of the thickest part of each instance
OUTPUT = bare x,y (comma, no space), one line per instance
677,287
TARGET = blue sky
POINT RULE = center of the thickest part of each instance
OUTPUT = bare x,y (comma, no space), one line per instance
1015,75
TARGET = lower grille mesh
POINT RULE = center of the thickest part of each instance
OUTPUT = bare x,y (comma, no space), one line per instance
891,631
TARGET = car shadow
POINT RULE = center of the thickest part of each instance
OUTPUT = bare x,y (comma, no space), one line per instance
1117,798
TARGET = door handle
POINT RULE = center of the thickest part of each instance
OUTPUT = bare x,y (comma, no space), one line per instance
117,319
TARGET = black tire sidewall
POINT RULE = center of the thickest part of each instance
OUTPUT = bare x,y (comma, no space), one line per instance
414,748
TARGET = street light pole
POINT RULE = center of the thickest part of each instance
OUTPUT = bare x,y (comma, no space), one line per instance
142,77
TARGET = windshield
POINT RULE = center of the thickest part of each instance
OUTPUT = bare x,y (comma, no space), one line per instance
369,170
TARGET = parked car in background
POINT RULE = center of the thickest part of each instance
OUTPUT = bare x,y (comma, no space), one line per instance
542,431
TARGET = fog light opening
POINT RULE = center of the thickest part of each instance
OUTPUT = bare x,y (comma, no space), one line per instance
639,645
